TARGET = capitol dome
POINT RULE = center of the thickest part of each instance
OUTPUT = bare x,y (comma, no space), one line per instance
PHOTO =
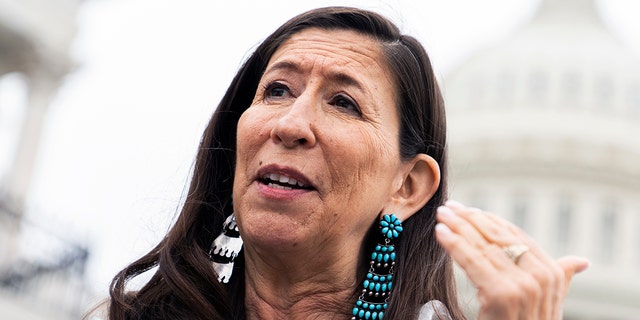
545,130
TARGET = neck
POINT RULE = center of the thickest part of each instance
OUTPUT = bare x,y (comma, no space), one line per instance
301,287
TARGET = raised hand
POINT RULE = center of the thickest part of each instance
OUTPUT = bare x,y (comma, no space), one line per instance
515,278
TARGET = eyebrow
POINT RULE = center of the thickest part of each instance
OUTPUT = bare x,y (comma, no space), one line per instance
340,77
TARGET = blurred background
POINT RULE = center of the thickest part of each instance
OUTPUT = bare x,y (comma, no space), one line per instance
102,104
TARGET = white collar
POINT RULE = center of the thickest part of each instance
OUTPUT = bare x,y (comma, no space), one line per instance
434,310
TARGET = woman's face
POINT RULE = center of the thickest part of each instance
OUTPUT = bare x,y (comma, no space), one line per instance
317,151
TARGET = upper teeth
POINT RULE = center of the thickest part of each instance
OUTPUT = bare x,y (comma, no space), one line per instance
283,179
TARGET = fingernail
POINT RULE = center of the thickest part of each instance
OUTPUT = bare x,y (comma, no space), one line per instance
582,268
442,228
454,204
445,211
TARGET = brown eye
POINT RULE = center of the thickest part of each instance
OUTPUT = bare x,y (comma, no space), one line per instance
346,103
276,90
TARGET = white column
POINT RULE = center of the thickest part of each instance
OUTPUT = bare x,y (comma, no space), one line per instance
585,225
543,218
41,90
627,254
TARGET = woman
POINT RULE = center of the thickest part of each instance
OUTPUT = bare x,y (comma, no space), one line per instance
329,150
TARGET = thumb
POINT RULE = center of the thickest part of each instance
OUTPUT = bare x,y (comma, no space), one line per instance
571,265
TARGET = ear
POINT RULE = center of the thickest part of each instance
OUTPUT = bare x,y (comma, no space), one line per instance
420,178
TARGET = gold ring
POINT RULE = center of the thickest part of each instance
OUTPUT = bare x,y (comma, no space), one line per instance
515,251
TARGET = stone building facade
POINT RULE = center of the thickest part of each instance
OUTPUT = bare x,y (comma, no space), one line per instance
545,130
41,273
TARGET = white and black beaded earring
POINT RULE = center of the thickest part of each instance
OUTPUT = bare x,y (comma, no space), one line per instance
225,248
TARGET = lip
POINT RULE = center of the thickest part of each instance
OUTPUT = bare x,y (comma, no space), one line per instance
279,194
287,171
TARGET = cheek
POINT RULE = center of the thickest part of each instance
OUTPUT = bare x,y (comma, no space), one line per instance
367,161
251,132
250,136
379,152
382,150
363,170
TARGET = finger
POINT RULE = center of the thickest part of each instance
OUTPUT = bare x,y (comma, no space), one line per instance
467,231
572,265
547,275
490,230
500,232
469,258
460,226
521,237
550,279
536,262
485,268
504,290
553,277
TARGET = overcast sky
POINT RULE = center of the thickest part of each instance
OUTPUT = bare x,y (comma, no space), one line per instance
122,132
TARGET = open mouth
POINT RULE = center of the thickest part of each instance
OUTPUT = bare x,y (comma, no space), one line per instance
280,181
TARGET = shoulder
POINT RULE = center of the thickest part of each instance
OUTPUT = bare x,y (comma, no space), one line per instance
434,309
98,312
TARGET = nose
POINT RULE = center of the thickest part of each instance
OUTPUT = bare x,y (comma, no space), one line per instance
295,127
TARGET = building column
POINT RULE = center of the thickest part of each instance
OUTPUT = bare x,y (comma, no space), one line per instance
41,89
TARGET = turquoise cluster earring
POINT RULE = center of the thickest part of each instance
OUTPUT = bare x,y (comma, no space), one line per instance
377,285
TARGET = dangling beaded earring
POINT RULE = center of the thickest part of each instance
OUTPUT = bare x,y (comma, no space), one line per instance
372,303
225,249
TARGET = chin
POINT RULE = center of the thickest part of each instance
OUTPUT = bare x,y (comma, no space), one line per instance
273,232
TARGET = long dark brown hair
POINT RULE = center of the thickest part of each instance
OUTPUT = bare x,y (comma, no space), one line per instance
185,285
